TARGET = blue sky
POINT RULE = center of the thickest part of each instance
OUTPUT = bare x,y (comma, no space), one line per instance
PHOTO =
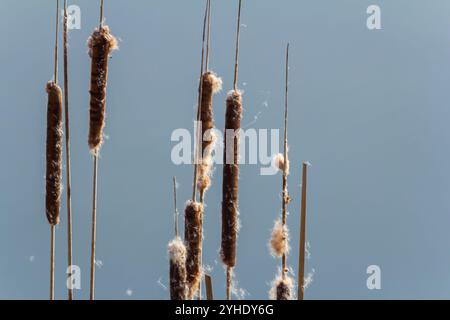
368,109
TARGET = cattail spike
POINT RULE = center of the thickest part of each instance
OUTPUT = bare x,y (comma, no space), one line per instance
200,95
54,153
230,188
282,288
193,236
211,85
101,44
177,256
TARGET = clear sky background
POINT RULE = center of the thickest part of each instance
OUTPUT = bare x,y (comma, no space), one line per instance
369,110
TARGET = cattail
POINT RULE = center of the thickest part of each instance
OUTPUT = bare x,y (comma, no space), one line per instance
177,256
54,153
282,288
279,242
211,84
101,43
230,188
193,238
53,174
230,183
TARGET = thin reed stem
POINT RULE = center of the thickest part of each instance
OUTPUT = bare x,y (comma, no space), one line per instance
55,76
94,228
302,249
236,61
68,165
285,192
208,41
52,262
101,14
175,205
229,282
209,287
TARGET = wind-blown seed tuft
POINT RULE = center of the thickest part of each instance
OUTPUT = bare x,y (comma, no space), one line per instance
54,153
279,242
101,43
177,256
281,164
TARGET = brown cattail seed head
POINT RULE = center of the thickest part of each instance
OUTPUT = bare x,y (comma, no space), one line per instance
211,84
101,43
279,242
54,153
282,288
230,187
193,238
177,256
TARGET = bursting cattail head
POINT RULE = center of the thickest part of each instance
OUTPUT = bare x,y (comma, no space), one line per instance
282,288
230,187
279,242
177,256
54,153
101,43
211,84
281,164
193,215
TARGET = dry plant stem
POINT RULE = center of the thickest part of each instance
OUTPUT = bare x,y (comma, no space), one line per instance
209,288
52,262
94,229
101,13
229,282
285,195
301,256
174,179
238,33
67,132
208,37
55,79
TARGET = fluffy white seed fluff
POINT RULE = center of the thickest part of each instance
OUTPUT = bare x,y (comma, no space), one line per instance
281,164
177,251
288,281
217,83
279,242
